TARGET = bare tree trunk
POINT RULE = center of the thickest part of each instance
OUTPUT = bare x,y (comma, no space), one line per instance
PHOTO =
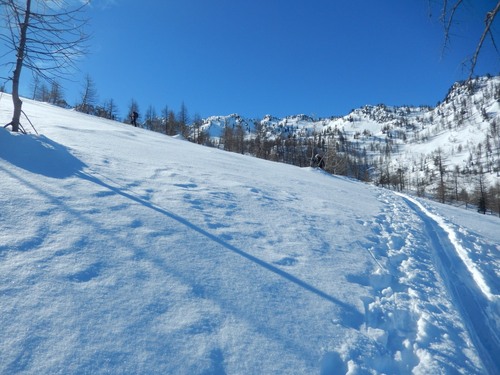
56,38
17,71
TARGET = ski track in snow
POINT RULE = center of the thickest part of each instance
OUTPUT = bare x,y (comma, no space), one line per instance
466,284
409,313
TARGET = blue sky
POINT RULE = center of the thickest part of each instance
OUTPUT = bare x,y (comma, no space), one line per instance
279,57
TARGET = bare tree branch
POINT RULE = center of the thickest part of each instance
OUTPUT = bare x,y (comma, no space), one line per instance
47,37
490,17
448,22
448,16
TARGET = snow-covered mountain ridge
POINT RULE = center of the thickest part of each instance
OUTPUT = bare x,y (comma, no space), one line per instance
463,99
391,146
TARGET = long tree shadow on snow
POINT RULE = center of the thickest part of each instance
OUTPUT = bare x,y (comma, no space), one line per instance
49,152
38,154
354,317
41,155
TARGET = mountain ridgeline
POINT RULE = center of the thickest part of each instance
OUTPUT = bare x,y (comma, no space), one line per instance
450,152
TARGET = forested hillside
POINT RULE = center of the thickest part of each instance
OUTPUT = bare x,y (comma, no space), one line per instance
450,152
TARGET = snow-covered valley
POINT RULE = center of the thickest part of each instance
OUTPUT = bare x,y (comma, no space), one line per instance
127,251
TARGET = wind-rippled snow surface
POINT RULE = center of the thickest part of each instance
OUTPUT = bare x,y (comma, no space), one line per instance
129,252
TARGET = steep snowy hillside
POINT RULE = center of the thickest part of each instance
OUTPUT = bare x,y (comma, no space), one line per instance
124,251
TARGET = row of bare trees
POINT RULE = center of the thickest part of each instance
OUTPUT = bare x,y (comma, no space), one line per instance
433,176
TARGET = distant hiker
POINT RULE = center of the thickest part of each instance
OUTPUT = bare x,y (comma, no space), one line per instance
318,161
133,117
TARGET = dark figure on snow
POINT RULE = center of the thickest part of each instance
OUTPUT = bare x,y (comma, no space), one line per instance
318,161
133,118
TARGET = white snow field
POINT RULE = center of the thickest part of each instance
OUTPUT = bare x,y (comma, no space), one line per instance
124,251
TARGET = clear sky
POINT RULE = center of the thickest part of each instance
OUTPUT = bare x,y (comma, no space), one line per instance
279,57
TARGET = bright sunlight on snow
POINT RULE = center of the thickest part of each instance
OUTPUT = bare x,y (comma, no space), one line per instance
124,251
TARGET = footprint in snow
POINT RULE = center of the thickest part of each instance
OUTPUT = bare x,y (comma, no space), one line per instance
287,261
87,274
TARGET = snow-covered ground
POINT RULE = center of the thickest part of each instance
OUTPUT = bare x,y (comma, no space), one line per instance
124,251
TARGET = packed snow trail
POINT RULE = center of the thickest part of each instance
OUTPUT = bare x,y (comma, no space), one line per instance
410,312
478,305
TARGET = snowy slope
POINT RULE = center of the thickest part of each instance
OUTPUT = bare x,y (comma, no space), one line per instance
127,251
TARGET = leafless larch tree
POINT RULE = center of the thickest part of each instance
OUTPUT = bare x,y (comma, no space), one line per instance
44,36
